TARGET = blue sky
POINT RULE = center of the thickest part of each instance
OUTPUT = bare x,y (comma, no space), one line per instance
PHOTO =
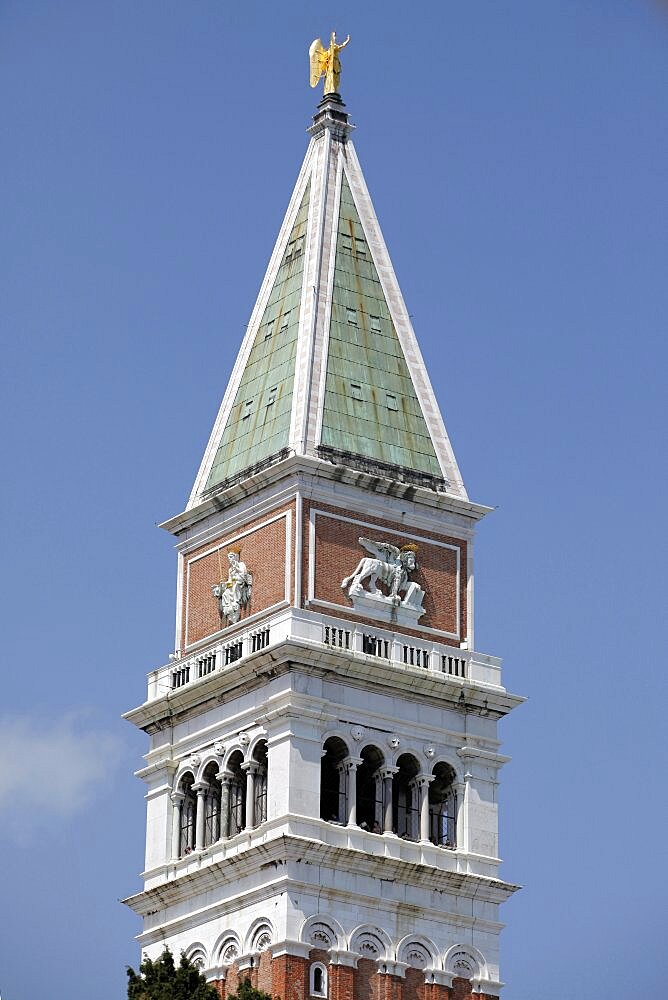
517,156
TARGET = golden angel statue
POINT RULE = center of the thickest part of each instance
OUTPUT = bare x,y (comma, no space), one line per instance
326,62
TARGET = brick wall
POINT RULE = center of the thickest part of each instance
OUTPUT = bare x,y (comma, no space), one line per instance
262,550
286,977
290,977
337,552
415,987
341,982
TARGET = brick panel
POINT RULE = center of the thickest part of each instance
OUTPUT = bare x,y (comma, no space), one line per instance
461,989
233,979
341,982
337,552
265,967
263,552
289,978
436,991
414,987
367,982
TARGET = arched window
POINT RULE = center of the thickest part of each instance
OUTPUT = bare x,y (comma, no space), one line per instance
370,790
318,980
260,786
188,814
333,781
443,807
237,794
212,806
405,798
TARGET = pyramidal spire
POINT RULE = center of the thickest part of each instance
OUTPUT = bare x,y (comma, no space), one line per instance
330,367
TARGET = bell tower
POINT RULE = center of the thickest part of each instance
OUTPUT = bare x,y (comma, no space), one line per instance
324,762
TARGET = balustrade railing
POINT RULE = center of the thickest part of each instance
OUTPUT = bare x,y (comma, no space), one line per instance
346,637
416,656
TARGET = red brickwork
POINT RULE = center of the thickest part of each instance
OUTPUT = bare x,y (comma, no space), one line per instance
431,991
461,989
263,552
414,987
341,982
366,981
290,977
337,552
286,977
264,978
390,987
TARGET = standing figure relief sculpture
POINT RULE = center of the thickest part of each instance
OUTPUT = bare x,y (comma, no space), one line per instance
326,62
234,593
391,566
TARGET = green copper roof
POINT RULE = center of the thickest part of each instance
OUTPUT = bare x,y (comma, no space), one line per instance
371,407
259,422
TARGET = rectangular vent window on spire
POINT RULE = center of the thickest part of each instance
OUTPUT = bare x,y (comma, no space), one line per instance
271,396
356,390
374,323
271,361
351,315
391,401
248,409
295,248
360,248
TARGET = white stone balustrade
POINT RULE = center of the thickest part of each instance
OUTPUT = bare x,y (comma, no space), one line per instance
340,635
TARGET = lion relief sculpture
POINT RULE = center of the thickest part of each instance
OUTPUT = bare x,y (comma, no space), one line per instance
392,567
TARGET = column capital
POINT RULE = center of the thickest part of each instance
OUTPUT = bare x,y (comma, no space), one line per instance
250,765
177,797
387,771
287,947
424,780
439,976
339,956
225,776
489,987
201,787
352,763
388,967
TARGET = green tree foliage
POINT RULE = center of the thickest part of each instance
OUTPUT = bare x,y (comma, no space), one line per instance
162,980
247,992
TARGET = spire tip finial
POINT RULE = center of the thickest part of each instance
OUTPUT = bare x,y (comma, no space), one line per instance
326,62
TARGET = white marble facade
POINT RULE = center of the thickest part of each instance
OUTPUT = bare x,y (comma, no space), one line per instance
332,869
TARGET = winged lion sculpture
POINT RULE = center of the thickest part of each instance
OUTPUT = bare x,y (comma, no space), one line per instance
386,563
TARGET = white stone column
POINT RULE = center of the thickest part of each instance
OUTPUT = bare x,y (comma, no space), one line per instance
342,772
201,788
264,776
387,773
250,767
423,782
177,804
225,778
462,816
350,765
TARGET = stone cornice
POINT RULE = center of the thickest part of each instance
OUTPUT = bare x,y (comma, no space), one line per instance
301,655
288,850
322,471
473,753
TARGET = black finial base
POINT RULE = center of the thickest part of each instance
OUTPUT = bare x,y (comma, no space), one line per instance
333,98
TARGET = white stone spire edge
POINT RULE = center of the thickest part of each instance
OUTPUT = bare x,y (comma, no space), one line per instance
251,331
403,325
